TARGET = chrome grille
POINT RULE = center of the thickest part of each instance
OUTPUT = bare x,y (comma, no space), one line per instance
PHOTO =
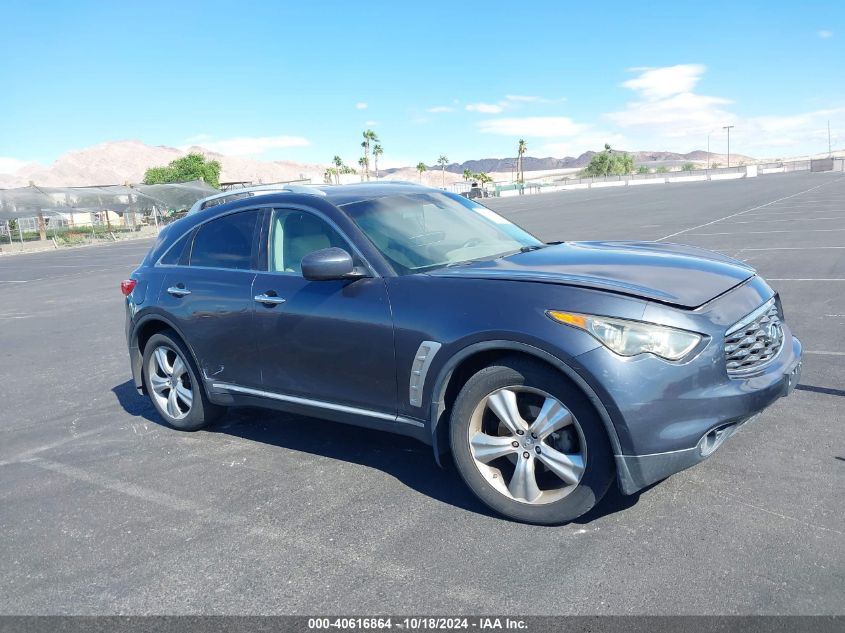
753,342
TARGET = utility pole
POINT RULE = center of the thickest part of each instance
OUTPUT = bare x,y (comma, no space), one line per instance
708,151
829,152
728,128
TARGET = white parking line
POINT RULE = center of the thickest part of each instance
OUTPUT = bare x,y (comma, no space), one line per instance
803,279
788,248
802,219
823,353
733,215
766,232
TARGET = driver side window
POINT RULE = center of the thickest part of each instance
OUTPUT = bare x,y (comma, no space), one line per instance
295,234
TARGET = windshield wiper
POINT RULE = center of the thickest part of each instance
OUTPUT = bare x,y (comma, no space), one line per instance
533,247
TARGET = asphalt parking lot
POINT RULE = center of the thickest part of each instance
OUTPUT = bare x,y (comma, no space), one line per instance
104,510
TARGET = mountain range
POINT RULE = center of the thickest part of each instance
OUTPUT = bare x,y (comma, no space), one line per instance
126,161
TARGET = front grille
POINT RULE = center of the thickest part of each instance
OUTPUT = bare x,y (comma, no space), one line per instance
753,342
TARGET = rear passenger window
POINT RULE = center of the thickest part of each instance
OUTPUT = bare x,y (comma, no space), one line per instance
225,242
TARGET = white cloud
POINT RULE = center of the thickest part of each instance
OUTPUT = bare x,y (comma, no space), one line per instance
361,105
371,123
538,126
437,109
667,107
824,34
198,138
526,99
657,83
253,145
668,115
485,108
577,145
10,165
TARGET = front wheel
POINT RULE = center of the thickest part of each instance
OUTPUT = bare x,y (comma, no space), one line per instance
529,444
174,386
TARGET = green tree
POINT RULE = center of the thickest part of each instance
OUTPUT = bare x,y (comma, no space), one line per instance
606,163
189,167
369,137
688,167
521,149
443,161
715,165
364,163
378,150
467,174
642,169
663,169
338,165
421,168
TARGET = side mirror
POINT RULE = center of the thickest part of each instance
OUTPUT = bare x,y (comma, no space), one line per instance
329,264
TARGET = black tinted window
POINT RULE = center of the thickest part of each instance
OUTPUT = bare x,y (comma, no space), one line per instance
225,242
175,255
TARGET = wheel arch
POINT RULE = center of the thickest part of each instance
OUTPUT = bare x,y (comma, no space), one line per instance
146,327
466,362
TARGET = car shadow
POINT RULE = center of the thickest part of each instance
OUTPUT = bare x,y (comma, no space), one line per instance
408,460
828,391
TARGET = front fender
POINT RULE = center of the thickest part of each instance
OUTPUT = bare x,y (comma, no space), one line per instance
437,411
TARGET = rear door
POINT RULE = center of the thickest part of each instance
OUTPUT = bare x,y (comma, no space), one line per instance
207,293
329,341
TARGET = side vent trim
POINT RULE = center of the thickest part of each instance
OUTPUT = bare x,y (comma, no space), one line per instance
419,369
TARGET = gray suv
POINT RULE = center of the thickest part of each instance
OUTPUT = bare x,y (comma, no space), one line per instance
549,371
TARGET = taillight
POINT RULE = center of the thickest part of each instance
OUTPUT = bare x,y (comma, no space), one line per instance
127,286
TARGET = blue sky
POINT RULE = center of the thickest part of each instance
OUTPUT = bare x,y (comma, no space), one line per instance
301,80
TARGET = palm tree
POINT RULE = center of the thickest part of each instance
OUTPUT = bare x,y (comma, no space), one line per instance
520,174
467,174
421,168
338,163
443,161
369,137
364,162
378,150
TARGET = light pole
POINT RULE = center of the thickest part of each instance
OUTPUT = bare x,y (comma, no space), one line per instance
708,151
728,128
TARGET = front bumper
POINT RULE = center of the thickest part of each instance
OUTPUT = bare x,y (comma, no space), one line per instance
666,425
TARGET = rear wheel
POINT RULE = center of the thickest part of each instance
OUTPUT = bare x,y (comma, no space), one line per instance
174,386
529,444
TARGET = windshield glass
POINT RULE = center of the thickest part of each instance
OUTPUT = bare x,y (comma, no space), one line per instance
424,231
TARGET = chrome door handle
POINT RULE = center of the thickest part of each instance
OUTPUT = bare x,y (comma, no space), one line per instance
176,291
269,299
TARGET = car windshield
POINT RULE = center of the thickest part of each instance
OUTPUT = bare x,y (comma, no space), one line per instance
424,231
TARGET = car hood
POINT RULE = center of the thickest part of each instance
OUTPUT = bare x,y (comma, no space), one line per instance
675,274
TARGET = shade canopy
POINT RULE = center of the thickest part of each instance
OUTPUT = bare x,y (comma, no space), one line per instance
30,201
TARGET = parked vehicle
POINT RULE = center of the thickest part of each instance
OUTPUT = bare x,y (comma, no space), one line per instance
547,370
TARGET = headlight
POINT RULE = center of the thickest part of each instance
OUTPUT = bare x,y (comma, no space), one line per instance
629,338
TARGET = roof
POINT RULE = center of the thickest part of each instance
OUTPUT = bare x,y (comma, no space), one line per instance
346,194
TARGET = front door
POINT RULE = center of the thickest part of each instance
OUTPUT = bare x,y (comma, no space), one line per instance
329,341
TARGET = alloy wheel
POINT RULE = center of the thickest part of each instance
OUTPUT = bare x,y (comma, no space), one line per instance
171,382
527,444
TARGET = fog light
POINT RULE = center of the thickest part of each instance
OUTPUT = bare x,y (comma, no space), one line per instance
714,439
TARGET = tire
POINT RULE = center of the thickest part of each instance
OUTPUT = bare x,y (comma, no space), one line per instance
560,443
173,384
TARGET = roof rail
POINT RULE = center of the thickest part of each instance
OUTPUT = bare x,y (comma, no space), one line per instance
235,194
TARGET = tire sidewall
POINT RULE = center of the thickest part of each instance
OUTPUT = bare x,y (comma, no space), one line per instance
599,470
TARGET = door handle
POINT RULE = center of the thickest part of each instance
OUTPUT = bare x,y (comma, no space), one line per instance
176,291
269,299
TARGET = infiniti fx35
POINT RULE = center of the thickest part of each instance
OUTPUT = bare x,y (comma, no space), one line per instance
549,371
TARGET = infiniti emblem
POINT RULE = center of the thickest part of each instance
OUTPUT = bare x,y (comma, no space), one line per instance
773,333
